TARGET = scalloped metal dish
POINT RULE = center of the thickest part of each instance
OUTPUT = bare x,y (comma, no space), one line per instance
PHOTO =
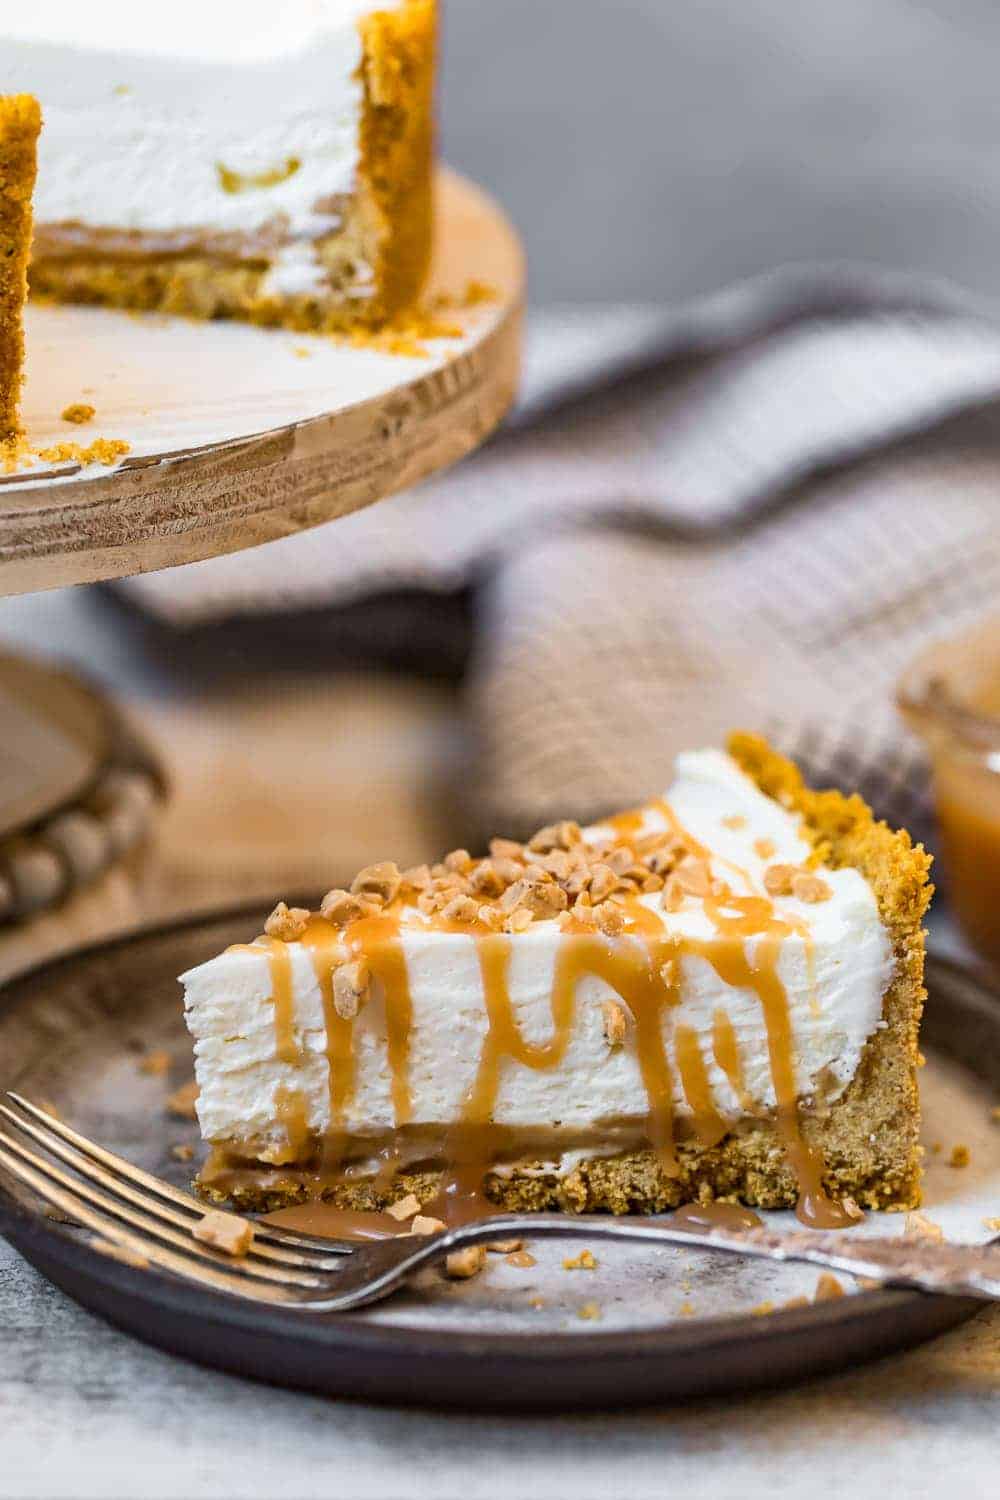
647,1326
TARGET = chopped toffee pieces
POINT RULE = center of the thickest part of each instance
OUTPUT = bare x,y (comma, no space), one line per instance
461,1264
351,983
340,907
226,1232
424,1224
791,880
287,923
405,1208
381,881
919,1227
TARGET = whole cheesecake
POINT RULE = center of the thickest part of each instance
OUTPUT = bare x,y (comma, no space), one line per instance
251,160
715,995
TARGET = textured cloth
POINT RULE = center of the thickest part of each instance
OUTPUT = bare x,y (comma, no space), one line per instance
750,511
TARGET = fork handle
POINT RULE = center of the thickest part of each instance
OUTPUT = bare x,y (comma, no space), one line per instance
928,1265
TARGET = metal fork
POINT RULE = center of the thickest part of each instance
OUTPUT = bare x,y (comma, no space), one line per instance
137,1217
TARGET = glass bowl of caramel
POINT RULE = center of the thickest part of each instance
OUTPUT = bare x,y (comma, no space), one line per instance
951,698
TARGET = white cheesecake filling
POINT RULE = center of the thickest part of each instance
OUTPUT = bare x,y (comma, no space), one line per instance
834,1001
145,123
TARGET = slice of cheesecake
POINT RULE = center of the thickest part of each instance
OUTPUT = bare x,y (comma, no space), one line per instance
714,995
20,121
251,160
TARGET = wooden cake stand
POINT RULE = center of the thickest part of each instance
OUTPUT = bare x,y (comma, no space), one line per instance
239,435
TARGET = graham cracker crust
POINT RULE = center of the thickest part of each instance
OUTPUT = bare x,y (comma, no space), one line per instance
387,224
20,122
868,1136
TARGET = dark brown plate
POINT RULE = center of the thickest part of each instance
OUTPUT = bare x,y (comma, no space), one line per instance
672,1325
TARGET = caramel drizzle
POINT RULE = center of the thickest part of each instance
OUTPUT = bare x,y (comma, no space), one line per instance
726,1051
625,824
321,941
329,1222
709,1125
641,967
633,971
293,1116
378,941
280,966
736,919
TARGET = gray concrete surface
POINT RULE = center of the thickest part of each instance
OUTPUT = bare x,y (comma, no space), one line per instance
651,149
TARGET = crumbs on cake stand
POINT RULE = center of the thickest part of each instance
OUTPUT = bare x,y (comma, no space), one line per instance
407,332
19,453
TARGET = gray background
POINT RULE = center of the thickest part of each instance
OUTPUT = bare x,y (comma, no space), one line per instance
654,149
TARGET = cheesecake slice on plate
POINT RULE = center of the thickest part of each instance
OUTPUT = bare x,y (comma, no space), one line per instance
20,121
251,160
712,996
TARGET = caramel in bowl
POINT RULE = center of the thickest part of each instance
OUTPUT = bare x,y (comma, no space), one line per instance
951,698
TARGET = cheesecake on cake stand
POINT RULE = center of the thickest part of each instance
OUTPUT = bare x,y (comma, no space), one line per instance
255,301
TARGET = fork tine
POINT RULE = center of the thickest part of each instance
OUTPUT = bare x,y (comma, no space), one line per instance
269,1234
84,1190
94,1172
209,1275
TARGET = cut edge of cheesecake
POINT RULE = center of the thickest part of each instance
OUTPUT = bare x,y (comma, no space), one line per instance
387,222
867,1137
20,122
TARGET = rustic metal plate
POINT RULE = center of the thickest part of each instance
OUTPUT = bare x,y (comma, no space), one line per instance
669,1324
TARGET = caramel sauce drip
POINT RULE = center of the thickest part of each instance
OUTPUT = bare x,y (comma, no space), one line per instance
681,834
640,966
625,824
326,1221
322,942
633,971
472,1143
735,919
378,941
290,1105
709,1126
279,962
726,1051
293,1116
698,1216
694,846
